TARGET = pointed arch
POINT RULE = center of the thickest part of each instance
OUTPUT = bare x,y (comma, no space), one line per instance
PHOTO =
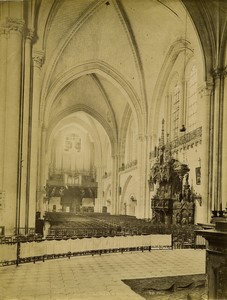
175,50
104,70
93,113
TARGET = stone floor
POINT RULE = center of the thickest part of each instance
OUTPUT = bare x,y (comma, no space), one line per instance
95,277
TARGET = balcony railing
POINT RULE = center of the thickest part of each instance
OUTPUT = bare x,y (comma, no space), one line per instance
184,140
61,172
128,165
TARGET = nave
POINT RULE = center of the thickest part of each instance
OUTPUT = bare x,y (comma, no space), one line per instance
115,108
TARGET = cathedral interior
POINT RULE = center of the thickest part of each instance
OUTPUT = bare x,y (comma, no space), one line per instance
111,131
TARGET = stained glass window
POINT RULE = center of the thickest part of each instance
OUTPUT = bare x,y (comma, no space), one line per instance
72,143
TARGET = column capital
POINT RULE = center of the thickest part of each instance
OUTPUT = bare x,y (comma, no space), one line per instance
15,24
29,34
205,89
38,58
3,30
225,71
219,72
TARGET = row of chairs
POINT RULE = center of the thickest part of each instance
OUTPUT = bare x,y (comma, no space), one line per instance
20,238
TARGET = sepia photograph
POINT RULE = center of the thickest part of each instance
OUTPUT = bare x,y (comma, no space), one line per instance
113,150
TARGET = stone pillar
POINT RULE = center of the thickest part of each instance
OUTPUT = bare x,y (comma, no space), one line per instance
224,144
37,57
3,59
114,201
24,197
11,177
217,143
3,64
100,201
143,203
41,167
204,102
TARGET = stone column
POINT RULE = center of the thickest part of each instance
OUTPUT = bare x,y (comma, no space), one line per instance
217,143
3,64
224,144
114,185
37,57
24,198
143,203
41,167
204,115
99,179
11,178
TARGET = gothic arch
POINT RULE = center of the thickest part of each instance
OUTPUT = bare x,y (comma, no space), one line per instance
93,113
51,132
175,50
97,67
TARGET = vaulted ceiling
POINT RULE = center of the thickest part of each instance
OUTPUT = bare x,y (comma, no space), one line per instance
103,57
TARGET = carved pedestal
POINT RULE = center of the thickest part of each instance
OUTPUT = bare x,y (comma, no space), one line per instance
216,260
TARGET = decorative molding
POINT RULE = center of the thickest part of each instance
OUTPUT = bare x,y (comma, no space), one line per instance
3,30
225,71
205,89
38,58
15,24
129,165
219,72
29,34
188,140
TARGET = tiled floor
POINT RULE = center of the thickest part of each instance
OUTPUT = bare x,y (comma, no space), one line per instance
97,277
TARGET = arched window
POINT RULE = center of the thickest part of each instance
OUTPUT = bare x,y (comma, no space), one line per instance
192,100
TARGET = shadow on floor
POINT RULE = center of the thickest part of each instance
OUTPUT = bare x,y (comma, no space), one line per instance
187,287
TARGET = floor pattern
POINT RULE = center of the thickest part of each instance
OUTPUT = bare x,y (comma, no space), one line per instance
95,277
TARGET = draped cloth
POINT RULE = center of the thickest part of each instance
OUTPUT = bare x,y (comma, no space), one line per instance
8,252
